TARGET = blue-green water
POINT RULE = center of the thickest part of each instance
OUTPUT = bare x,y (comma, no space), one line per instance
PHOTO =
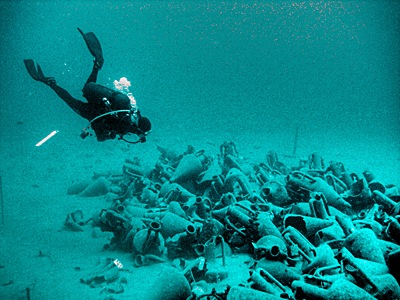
330,66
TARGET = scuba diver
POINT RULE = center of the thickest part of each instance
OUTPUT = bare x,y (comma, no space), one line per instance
111,113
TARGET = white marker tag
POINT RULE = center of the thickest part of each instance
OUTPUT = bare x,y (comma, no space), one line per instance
118,264
201,263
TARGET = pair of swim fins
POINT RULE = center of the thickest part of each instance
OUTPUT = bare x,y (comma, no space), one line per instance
93,44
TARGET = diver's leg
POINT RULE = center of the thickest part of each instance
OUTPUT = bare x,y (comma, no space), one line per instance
94,73
81,108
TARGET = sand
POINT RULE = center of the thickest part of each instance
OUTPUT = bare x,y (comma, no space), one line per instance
39,255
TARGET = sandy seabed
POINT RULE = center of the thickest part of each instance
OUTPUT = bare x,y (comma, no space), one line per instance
39,255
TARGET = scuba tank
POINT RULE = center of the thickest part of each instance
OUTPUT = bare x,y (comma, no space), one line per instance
95,94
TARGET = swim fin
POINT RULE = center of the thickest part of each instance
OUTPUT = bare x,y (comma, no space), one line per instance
36,72
94,47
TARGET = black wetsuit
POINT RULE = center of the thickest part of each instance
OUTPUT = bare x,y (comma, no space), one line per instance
106,127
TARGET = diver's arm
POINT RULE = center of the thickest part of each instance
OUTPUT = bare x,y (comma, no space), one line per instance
105,135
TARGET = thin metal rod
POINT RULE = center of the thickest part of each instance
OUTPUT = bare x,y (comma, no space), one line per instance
296,137
1,201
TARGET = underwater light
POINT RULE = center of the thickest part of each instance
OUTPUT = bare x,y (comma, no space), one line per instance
53,133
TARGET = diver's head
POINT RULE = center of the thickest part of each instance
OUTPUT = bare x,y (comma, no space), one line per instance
144,124
143,128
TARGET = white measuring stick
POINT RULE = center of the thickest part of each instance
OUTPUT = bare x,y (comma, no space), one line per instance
53,133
